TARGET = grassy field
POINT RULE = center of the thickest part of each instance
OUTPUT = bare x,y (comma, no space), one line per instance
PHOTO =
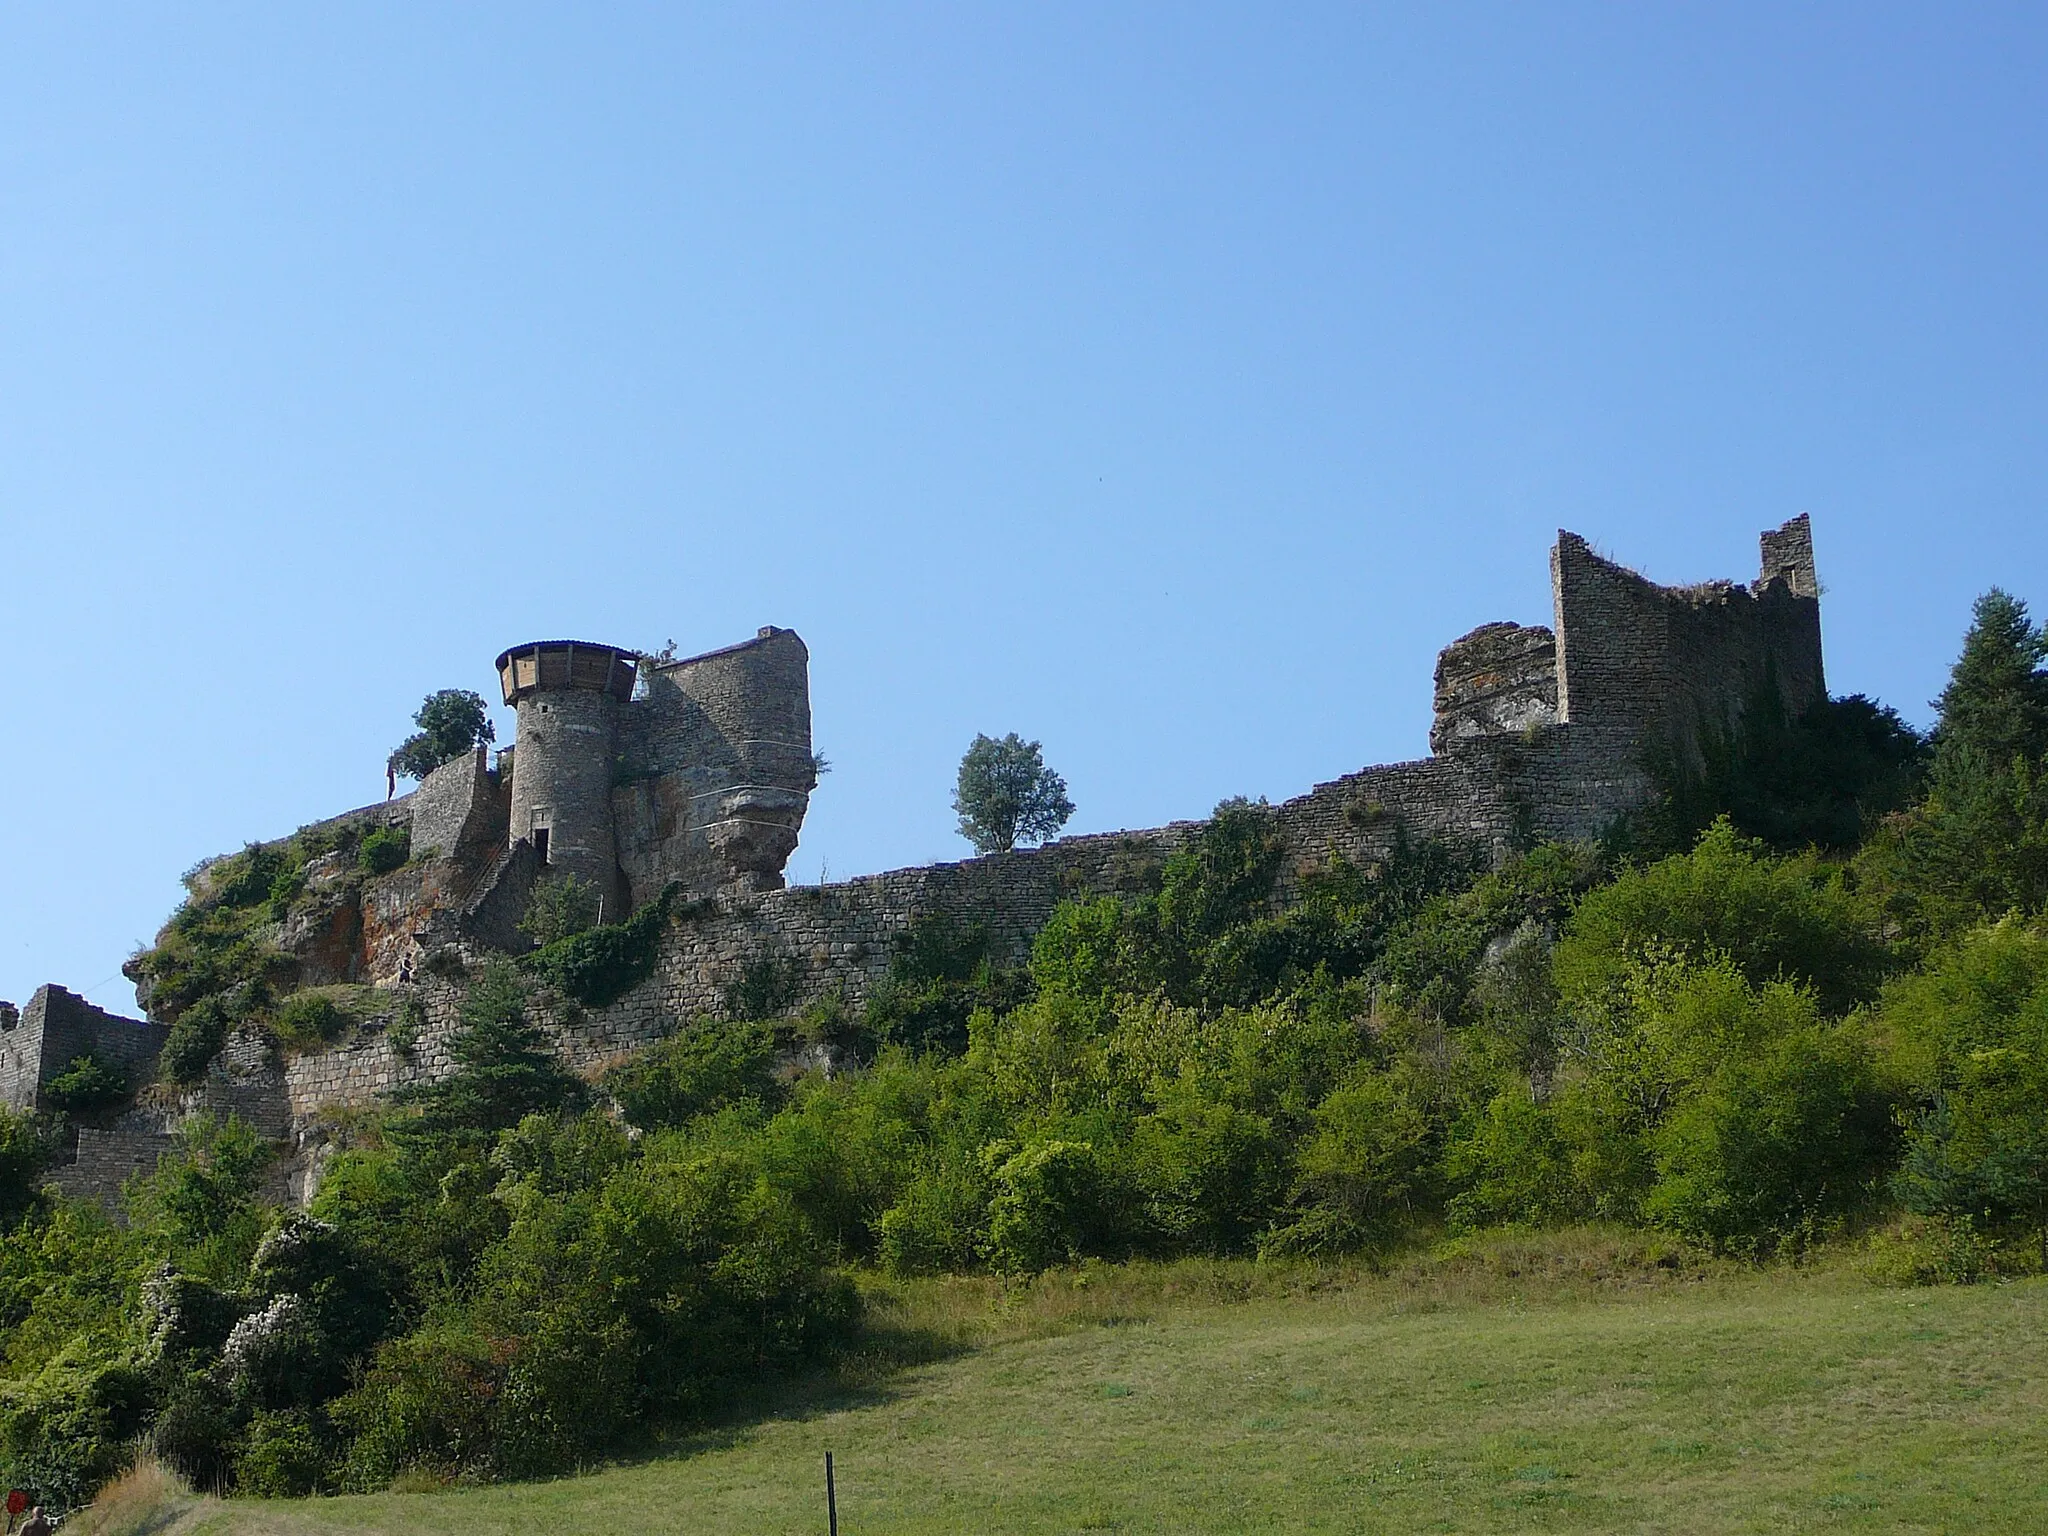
1580,1390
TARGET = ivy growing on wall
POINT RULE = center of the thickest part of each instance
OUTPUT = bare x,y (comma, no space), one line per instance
600,965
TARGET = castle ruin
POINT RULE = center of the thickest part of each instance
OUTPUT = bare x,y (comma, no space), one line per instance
637,774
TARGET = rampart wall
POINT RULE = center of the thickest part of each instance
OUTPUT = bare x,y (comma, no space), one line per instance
55,1029
247,1080
838,940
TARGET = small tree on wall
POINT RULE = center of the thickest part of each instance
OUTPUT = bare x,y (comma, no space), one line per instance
561,908
1007,795
451,722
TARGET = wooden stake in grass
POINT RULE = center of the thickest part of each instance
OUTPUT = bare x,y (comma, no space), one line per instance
831,1498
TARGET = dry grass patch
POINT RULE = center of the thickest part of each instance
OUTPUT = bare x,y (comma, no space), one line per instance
149,1499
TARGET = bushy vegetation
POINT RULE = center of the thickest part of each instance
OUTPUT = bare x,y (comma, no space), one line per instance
561,907
597,966
1756,1043
451,722
215,967
86,1084
384,849
496,1280
308,1019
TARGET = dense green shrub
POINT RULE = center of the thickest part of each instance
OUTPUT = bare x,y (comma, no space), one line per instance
1931,1250
1209,1174
425,1403
308,1019
196,1428
25,1151
626,1289
213,962
384,849
1823,780
1366,1169
85,1085
1732,1113
939,975
1969,1037
706,1066
1773,918
65,1430
561,906
210,955
1777,1144
243,879
1512,1163
200,1206
940,1223
1053,1202
599,966
281,1455
194,1040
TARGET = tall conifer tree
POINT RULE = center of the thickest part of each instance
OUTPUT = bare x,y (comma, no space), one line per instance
1995,706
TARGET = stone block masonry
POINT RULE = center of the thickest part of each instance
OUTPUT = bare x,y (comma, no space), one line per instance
837,941
1540,733
1667,663
55,1029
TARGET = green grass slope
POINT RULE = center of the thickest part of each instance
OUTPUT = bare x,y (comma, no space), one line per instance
1760,1401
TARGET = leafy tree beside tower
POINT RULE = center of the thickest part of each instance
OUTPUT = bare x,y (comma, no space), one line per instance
451,722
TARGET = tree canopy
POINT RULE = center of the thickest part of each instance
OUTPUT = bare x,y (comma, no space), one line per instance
451,722
1977,846
1007,795
1996,701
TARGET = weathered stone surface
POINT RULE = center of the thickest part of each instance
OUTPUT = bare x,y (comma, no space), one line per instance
1499,679
1666,663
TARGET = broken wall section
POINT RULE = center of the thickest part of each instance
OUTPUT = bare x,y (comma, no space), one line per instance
55,1029
1665,664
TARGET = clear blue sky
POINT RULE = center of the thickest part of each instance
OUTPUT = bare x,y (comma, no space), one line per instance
1167,383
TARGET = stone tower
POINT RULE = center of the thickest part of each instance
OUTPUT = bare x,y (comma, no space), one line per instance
568,694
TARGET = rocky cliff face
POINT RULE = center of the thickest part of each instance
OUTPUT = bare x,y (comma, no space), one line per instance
1498,680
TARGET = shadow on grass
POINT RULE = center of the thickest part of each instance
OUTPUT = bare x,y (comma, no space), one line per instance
914,1323
869,1372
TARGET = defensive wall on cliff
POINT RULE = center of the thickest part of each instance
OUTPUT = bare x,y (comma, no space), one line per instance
54,1030
837,940
697,773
